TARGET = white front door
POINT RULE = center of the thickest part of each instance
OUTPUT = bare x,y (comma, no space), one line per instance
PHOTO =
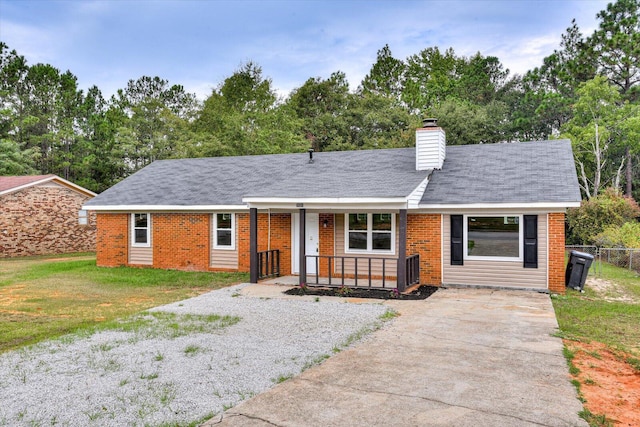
312,244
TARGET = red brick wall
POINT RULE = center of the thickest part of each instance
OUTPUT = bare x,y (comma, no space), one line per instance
42,220
424,236
280,238
556,253
326,244
181,241
112,240
242,240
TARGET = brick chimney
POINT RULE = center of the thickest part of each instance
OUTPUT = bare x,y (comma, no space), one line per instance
430,145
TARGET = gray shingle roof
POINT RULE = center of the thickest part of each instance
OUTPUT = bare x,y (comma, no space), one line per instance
525,172
226,180
491,173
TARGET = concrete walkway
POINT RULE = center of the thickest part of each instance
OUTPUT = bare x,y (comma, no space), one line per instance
463,357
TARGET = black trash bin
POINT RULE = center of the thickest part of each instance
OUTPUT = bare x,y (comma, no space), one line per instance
577,270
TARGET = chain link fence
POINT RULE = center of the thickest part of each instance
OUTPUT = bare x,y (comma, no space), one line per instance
625,258
620,257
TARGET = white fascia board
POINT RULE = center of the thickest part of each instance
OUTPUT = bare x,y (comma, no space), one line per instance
23,186
547,206
331,203
48,179
76,187
166,208
413,200
319,200
11,190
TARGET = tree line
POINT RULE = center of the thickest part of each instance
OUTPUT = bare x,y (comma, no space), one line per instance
587,90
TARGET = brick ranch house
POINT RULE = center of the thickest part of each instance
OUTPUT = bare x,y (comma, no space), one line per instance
488,214
39,215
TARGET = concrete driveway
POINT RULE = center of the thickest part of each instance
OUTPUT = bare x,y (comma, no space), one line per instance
463,357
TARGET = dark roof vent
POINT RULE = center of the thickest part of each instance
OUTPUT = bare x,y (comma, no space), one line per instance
310,155
430,123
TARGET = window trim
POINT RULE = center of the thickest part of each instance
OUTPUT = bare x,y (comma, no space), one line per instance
83,217
465,235
133,230
231,247
370,232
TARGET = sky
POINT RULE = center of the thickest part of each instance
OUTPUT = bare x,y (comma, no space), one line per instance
198,44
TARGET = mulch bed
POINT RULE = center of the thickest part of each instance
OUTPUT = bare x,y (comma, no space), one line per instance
423,292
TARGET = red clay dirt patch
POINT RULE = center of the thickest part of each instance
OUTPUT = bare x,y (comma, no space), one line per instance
608,383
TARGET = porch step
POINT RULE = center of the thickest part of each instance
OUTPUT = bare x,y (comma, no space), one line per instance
411,288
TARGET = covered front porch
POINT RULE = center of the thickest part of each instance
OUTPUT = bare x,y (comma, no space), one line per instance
346,247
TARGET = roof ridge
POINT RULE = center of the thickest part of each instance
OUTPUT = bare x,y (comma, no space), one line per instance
315,153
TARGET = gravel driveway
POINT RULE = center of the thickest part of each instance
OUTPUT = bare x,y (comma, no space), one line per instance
177,364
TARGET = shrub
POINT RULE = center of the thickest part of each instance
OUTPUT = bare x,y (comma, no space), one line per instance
609,209
626,236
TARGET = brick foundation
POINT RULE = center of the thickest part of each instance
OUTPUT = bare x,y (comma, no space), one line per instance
42,220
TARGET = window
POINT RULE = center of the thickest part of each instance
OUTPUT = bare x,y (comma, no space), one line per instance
140,224
82,217
367,232
497,237
223,231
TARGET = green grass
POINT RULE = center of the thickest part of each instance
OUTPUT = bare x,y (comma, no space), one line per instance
634,362
589,317
282,378
316,361
160,324
191,349
595,420
593,316
611,323
366,330
388,315
628,279
570,355
45,297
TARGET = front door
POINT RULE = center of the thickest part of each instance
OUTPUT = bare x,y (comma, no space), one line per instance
312,246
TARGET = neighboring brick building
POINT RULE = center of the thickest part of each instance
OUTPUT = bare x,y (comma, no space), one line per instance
40,215
487,215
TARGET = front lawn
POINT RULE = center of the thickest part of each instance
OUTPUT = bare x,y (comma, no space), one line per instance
46,297
609,314
602,345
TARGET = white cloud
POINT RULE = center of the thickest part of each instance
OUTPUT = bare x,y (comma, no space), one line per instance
520,56
198,44
35,44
